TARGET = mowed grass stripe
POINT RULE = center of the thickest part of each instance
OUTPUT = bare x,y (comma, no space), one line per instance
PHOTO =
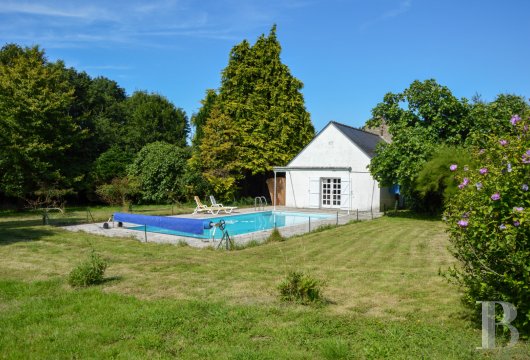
182,269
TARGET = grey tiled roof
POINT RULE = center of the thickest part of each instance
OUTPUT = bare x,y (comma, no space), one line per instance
364,140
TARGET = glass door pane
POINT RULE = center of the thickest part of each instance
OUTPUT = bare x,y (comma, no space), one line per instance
330,192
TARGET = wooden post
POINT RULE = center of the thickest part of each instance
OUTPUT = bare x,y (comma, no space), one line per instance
275,191
45,217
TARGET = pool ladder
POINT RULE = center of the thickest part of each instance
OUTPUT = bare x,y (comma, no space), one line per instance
260,202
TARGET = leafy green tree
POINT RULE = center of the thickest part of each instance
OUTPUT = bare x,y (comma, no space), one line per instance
151,118
111,164
36,130
10,53
422,116
199,119
159,168
193,183
261,100
97,109
220,156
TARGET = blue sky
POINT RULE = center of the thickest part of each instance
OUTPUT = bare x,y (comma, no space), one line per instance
348,54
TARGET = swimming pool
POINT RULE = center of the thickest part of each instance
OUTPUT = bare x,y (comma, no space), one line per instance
245,223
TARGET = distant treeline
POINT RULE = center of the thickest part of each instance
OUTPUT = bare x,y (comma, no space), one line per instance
66,135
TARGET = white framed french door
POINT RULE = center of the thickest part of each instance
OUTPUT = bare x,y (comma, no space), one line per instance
330,192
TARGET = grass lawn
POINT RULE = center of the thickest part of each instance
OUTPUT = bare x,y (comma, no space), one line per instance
386,299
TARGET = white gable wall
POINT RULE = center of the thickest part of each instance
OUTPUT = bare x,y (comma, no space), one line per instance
331,148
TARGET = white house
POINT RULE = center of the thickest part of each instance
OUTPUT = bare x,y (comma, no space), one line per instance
331,172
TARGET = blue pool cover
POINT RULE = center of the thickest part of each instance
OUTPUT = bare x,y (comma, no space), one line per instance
192,226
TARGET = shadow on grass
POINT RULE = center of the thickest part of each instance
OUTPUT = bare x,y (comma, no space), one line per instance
111,279
22,230
105,281
69,221
409,214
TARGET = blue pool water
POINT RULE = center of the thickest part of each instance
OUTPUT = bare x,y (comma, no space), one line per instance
245,223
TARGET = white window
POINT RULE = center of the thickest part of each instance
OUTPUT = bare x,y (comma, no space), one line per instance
331,192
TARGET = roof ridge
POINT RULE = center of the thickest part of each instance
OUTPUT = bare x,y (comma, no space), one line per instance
354,128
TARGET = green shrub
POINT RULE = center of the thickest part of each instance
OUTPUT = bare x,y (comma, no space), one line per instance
489,223
301,288
435,182
89,272
159,168
111,164
275,236
250,244
324,228
119,191
182,243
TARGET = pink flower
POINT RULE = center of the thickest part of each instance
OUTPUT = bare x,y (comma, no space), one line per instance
518,208
463,223
503,142
483,171
495,196
526,157
515,119
453,167
516,223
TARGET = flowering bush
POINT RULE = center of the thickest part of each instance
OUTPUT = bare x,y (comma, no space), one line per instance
489,223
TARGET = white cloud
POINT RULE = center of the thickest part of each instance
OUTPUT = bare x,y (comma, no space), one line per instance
404,6
59,23
43,10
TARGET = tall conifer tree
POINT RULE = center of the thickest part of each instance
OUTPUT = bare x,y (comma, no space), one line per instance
263,102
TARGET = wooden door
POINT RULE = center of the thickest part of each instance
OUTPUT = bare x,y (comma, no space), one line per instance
280,189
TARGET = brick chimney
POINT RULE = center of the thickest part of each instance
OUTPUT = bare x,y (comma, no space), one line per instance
381,130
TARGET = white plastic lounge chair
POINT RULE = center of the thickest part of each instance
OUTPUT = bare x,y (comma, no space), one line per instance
203,208
216,205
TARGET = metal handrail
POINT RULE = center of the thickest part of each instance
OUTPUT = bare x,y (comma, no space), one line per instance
257,203
264,200
260,202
